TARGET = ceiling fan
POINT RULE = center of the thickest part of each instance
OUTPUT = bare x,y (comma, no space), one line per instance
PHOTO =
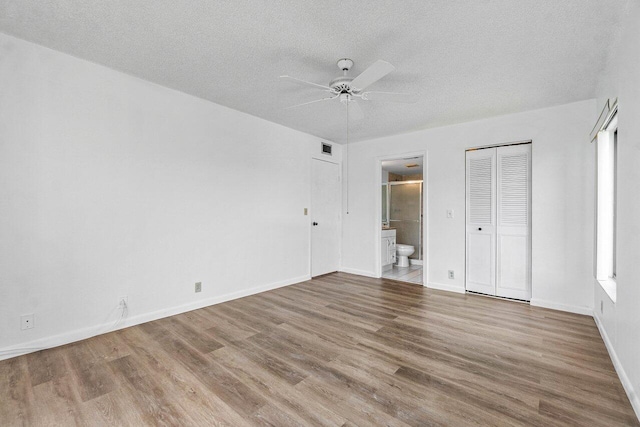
348,89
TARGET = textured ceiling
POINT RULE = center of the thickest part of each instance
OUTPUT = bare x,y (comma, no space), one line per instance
399,166
467,59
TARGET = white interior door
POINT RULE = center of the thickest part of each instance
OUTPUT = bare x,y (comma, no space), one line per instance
481,221
325,217
513,278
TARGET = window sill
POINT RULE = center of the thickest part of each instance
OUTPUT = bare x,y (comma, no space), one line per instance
609,287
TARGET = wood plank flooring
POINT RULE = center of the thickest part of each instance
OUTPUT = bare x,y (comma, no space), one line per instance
339,350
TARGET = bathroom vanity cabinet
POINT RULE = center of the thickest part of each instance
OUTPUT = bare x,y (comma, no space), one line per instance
388,249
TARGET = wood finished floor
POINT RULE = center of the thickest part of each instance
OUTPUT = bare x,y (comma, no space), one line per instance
339,350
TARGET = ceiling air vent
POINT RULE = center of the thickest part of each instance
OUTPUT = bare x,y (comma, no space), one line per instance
326,149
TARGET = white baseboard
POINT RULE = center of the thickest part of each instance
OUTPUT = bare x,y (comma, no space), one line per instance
359,272
84,333
415,261
443,287
624,379
562,307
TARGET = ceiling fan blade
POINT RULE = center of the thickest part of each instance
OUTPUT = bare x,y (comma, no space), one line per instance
311,102
305,83
408,98
355,111
375,72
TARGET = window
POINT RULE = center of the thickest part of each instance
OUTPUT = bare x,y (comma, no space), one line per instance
615,203
607,201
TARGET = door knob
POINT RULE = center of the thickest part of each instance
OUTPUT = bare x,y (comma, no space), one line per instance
480,229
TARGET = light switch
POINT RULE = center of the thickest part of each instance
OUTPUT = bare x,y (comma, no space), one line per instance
449,213
306,211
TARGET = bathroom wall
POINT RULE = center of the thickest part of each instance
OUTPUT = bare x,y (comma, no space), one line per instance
396,177
408,235
405,204
113,186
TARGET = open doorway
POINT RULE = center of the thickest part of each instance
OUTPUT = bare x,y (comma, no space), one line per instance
402,219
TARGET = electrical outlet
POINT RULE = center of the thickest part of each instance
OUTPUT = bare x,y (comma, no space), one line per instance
451,274
26,322
198,286
449,213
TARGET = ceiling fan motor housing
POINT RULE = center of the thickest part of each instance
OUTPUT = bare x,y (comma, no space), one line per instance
342,84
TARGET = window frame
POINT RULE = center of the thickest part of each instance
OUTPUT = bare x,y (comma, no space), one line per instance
606,205
614,246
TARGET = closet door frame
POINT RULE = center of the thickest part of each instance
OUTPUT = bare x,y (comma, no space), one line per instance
495,236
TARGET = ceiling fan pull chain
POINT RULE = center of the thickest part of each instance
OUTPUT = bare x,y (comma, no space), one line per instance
347,105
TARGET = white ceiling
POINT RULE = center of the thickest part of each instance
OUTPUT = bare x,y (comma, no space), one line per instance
468,59
399,166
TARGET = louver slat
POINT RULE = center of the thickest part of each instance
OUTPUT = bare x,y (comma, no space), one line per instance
480,187
514,190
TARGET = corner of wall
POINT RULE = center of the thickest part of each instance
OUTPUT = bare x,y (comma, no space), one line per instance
577,309
359,272
624,378
448,288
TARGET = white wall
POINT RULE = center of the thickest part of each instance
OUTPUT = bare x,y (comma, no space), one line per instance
111,185
563,191
620,321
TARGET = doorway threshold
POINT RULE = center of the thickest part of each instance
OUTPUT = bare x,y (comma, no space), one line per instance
411,274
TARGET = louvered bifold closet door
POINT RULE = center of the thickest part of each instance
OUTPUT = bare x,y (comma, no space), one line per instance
513,275
481,221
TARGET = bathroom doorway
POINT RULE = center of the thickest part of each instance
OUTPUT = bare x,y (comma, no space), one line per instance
402,219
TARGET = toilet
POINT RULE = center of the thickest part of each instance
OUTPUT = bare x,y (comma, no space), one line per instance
403,252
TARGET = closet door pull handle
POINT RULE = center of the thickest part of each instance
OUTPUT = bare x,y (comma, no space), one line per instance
479,228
